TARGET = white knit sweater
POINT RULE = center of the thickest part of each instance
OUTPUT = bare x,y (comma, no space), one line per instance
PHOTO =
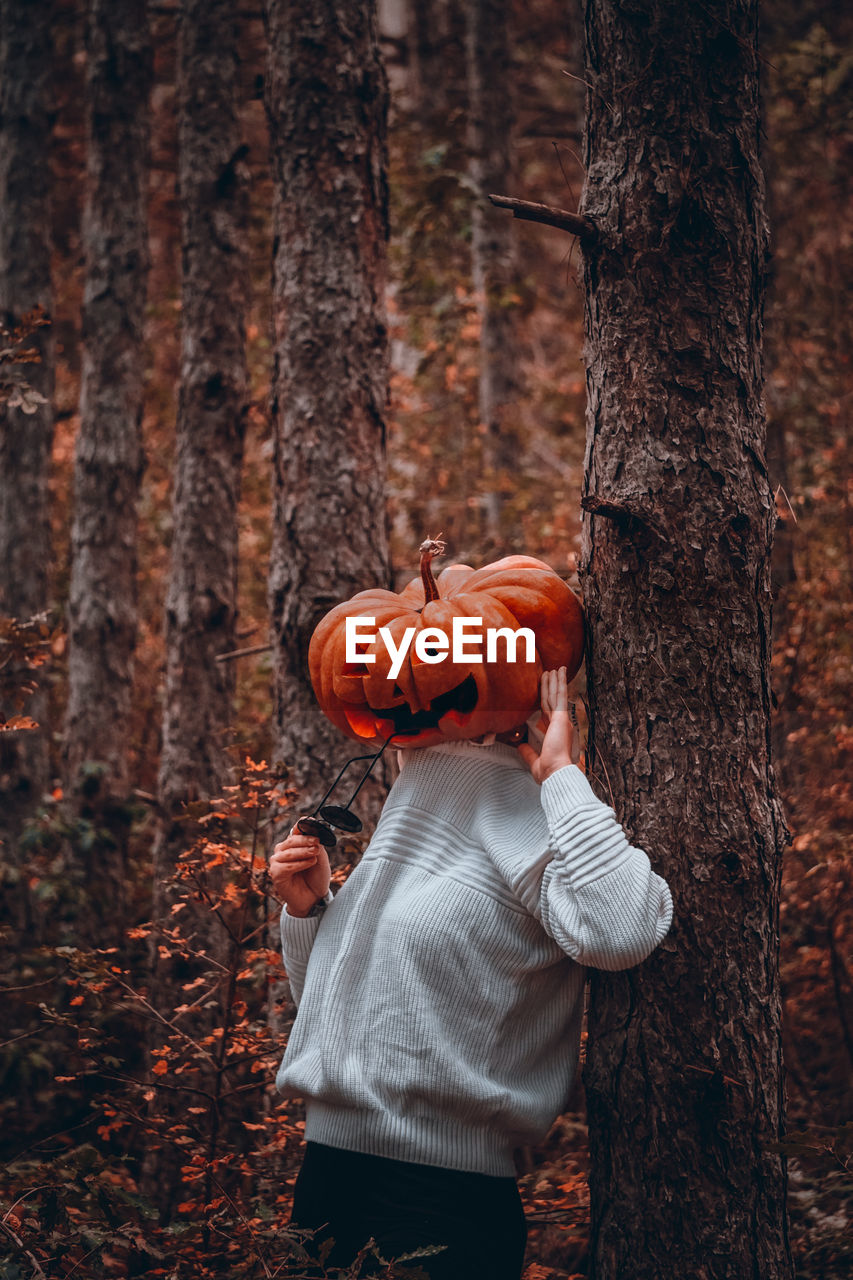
441,993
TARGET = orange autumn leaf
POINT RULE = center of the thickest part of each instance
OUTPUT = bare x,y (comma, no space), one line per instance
16,723
216,855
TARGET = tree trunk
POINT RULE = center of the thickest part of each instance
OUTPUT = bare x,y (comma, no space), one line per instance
684,1072
430,23
777,344
327,105
25,438
108,457
490,116
201,607
202,599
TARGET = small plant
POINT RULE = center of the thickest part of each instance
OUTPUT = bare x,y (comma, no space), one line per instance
25,646
200,1101
15,391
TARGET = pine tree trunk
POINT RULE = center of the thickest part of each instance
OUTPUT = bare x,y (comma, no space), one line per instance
430,24
783,567
202,599
684,1072
327,104
108,458
493,250
201,607
25,438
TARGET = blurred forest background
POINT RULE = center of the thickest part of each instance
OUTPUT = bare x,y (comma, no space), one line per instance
137,1152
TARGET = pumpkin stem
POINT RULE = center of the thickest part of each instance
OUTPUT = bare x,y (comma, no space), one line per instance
432,547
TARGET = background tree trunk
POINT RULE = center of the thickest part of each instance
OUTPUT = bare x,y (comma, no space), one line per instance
326,105
201,607
108,456
25,438
684,1111
430,25
490,116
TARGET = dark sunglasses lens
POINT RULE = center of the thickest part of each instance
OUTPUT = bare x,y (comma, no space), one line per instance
318,830
339,817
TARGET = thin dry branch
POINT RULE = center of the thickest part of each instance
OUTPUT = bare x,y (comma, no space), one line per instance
243,653
577,224
16,1239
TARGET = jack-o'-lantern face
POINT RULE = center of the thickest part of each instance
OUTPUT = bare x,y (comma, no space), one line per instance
415,687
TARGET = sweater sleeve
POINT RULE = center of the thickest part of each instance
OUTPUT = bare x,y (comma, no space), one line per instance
599,898
297,939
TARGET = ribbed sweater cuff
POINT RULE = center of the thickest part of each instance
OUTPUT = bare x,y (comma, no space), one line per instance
298,934
590,841
566,789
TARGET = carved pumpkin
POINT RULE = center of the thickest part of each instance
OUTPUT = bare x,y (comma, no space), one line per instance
432,702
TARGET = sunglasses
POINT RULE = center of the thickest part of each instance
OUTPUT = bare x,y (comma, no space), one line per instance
319,824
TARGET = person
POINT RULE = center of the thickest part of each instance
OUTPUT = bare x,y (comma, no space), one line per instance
440,992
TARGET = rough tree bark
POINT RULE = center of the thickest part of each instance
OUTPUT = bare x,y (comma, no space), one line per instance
108,456
490,120
202,599
25,438
684,1073
201,606
327,105
777,344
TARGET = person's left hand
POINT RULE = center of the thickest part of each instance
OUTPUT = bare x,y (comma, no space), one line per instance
561,745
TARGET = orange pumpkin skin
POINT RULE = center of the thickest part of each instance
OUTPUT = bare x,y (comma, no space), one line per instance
438,702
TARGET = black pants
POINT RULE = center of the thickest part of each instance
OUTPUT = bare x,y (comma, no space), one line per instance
351,1197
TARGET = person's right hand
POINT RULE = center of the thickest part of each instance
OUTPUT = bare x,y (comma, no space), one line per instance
300,872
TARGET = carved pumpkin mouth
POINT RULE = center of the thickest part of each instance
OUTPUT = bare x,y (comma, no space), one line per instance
459,702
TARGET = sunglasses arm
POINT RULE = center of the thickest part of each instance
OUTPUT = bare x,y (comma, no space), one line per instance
373,760
354,760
